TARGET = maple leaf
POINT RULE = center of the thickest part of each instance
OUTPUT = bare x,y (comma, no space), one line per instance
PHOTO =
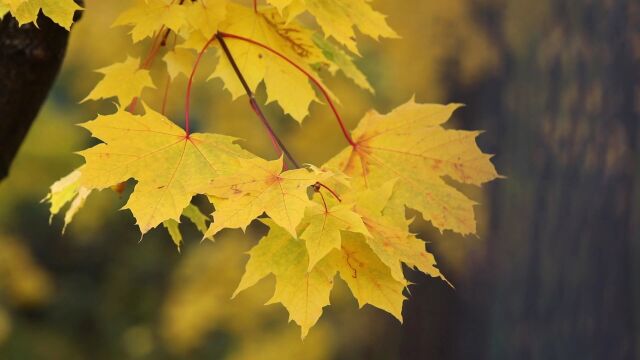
257,64
368,278
410,145
325,227
122,80
303,293
340,60
192,213
390,238
337,18
173,228
261,186
205,16
149,16
179,61
203,20
362,234
170,166
68,190
64,191
196,216
26,11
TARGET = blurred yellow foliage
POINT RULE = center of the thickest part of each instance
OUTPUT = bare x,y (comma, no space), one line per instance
22,280
199,302
435,34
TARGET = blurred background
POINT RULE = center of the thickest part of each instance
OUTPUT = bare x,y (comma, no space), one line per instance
554,273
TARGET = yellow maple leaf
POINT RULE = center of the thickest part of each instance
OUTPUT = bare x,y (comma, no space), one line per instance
340,60
179,61
194,215
68,190
64,191
369,279
410,145
257,64
325,227
122,80
203,20
303,293
338,18
390,238
12,5
26,11
205,16
261,186
169,166
148,16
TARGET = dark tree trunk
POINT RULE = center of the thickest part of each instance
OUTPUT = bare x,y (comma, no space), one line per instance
30,58
561,278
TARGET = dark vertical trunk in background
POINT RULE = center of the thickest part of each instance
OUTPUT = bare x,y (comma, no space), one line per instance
561,279
30,58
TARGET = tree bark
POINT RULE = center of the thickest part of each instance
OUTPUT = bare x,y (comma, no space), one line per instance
561,276
30,59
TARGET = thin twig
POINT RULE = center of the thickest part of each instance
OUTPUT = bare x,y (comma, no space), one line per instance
324,92
156,44
252,100
256,108
324,202
187,107
335,195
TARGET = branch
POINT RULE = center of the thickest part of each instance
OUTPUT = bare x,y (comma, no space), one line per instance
265,122
252,100
324,92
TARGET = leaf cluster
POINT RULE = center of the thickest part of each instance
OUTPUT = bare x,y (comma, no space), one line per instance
343,218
